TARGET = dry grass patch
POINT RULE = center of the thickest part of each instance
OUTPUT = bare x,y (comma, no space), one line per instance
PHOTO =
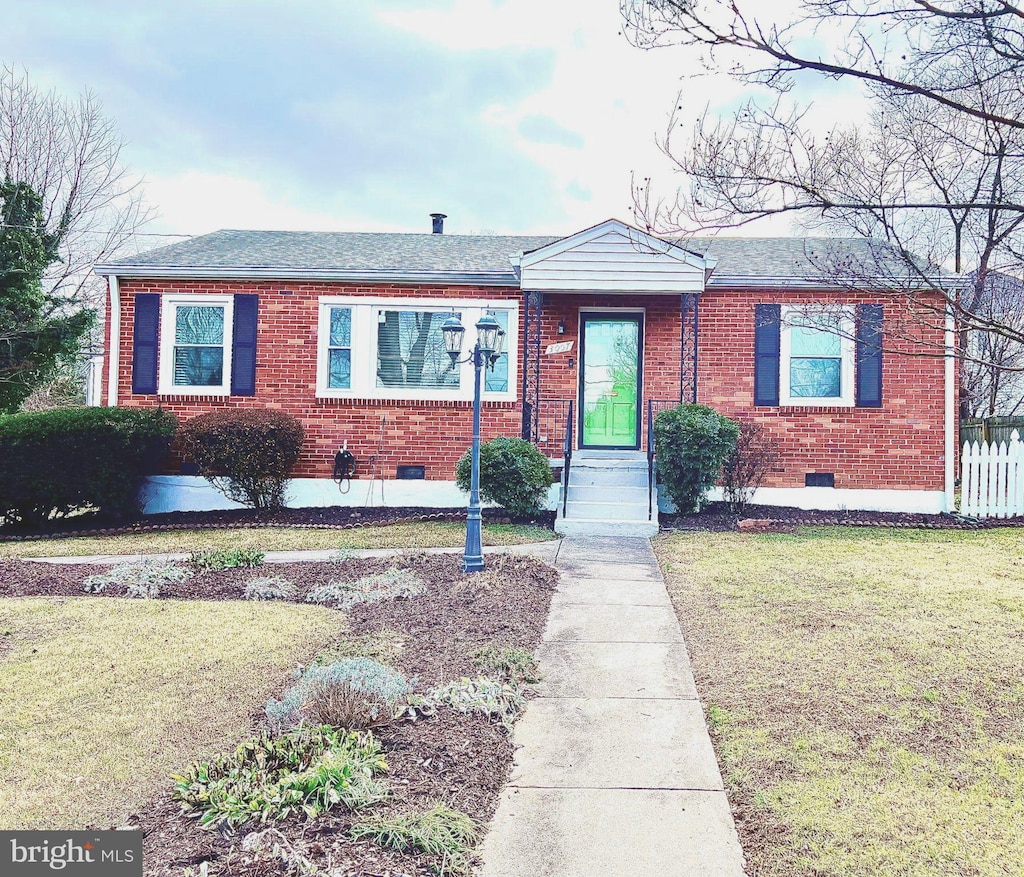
865,695
103,698
429,534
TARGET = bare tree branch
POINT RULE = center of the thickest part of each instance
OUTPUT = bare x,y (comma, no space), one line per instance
70,153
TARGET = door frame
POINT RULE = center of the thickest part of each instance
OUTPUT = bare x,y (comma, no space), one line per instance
633,314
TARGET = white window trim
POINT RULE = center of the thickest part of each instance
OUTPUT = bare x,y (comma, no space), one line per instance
792,315
169,304
364,347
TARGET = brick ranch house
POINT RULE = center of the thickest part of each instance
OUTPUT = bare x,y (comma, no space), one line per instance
343,331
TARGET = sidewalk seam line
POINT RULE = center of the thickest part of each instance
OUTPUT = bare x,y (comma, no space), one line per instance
719,791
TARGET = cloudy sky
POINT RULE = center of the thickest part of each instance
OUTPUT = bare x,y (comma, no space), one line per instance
511,116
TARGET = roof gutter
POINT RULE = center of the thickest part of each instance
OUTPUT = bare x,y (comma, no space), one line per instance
746,281
467,278
270,273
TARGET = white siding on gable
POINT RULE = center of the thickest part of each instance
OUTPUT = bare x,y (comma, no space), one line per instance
614,262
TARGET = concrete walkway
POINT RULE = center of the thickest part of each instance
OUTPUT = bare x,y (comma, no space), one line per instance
614,772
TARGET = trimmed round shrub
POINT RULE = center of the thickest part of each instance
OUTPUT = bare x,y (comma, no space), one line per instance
79,459
513,475
248,454
691,444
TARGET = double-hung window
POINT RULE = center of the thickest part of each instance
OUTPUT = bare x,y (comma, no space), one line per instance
817,356
195,345
393,348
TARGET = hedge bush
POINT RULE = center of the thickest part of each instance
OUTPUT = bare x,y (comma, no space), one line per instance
513,475
70,459
247,454
691,444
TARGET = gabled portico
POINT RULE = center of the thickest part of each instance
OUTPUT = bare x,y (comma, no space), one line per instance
595,288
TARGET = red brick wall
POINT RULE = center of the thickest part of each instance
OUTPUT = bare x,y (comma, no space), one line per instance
433,434
899,445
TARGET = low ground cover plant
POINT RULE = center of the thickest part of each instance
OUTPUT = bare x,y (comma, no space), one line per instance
514,474
514,665
272,850
66,460
247,454
216,558
441,832
392,584
692,442
353,693
305,771
498,700
139,578
269,588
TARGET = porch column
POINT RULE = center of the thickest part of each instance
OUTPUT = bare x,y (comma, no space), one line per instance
533,304
688,322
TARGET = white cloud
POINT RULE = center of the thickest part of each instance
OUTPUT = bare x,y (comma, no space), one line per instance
196,202
613,97
523,117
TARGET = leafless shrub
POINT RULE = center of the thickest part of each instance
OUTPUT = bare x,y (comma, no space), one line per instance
756,454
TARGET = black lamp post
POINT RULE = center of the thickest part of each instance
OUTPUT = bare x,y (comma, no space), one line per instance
489,340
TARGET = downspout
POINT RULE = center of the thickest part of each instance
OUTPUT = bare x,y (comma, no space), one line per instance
114,361
951,414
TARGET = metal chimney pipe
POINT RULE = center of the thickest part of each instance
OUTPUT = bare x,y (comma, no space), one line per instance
438,219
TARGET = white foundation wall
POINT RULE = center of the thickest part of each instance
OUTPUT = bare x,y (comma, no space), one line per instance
833,499
192,493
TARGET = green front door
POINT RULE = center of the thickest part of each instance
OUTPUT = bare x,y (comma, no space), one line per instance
610,380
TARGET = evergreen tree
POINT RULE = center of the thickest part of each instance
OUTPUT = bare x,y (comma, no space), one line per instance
36,331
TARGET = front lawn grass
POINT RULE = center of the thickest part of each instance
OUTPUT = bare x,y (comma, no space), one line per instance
102,699
865,695
427,534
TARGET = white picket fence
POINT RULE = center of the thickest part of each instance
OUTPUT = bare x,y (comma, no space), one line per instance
992,479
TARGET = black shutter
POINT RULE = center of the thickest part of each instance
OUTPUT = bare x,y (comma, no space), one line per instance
767,335
243,346
869,356
145,342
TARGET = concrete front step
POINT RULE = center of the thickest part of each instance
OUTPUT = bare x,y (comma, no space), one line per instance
585,477
594,454
636,494
592,527
609,511
606,463
607,496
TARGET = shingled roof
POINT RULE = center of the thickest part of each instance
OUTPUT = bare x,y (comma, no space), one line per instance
436,257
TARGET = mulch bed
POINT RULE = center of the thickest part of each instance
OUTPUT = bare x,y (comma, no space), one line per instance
716,517
328,518
461,760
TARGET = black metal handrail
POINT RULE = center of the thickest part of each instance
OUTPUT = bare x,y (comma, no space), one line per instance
567,458
650,460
